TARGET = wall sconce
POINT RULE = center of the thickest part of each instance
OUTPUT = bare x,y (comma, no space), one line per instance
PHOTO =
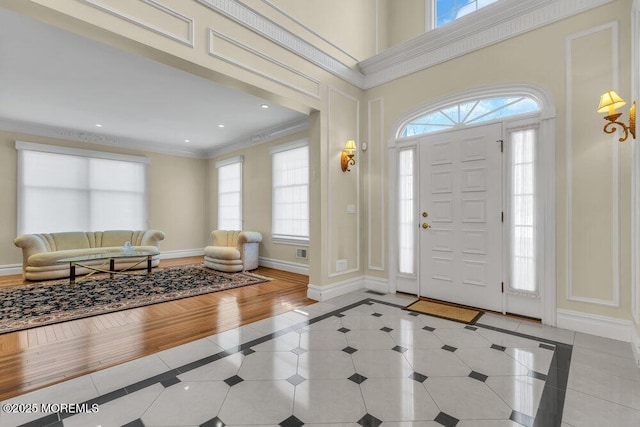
609,101
346,159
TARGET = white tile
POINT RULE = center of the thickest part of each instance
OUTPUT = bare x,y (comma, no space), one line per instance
361,321
128,373
466,398
604,345
437,362
587,411
498,321
546,332
401,321
186,353
462,338
77,390
190,403
521,393
490,362
606,363
487,423
398,399
235,337
381,364
272,324
416,338
506,340
120,411
329,324
325,365
258,402
278,365
219,370
536,359
323,340
315,397
620,390
370,340
286,342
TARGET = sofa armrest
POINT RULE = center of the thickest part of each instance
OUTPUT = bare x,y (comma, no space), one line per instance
30,244
152,237
249,237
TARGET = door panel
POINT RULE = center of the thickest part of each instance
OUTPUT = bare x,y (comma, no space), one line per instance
460,239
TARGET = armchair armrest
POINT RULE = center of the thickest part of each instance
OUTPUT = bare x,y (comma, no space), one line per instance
249,237
152,237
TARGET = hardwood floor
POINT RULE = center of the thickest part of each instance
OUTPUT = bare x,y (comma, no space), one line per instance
39,357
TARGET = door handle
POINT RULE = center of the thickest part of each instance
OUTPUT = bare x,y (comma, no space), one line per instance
425,225
425,214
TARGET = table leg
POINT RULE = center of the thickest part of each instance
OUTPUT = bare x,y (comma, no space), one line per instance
112,267
72,273
148,265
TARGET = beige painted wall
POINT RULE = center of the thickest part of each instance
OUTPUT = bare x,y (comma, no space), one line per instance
176,191
403,20
539,58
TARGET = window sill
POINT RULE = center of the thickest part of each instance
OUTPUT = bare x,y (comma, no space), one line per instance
284,240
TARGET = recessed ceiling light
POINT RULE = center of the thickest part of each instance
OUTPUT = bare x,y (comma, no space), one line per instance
265,106
220,125
98,125
187,140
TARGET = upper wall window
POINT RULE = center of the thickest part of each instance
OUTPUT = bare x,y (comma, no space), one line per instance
470,113
450,10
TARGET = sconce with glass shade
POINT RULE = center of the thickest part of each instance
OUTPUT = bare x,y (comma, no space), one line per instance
346,159
609,101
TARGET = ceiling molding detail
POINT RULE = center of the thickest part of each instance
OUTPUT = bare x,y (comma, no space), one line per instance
268,29
260,138
487,26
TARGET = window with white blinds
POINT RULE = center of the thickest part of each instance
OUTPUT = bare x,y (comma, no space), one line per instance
523,205
290,192
65,189
230,194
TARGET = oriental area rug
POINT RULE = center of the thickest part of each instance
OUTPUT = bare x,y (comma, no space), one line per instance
44,303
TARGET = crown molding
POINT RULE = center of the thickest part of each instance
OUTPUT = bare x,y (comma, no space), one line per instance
94,138
260,138
487,26
284,38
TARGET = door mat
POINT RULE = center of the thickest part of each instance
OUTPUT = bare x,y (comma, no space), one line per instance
445,311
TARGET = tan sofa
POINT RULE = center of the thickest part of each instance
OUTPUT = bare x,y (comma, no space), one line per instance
233,250
40,252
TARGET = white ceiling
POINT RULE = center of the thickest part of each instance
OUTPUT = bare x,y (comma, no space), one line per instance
53,79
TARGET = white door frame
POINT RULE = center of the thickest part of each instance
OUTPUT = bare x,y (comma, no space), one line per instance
545,168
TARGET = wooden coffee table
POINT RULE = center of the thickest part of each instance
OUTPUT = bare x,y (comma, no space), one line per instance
111,256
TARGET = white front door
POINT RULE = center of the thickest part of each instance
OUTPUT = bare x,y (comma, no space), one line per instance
460,202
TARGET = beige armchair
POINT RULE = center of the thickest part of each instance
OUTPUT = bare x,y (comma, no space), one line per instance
233,250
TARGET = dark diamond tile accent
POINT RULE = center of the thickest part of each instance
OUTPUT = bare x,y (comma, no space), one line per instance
357,378
135,423
377,315
498,347
369,421
521,418
537,375
248,351
478,376
471,328
214,422
413,313
296,379
349,350
231,381
429,328
446,420
416,376
298,351
339,315
385,329
169,382
448,348
547,346
344,330
292,421
399,349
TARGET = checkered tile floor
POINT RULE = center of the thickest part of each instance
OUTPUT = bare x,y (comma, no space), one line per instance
357,360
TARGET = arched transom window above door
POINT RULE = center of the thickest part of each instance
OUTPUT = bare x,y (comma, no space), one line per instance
469,112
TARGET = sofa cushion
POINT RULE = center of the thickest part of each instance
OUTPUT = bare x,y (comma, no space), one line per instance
116,238
222,252
70,240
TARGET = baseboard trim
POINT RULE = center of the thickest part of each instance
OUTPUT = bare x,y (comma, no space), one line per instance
323,293
376,284
8,269
181,253
602,326
635,344
292,267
